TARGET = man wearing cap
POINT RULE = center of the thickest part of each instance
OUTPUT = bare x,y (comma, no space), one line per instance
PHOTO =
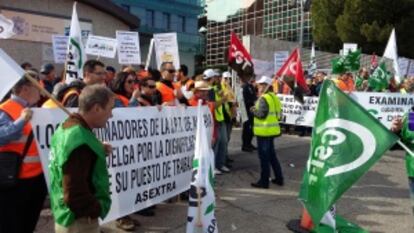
48,80
267,113
229,107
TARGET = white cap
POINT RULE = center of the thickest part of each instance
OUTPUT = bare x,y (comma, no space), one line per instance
226,74
265,79
209,73
201,85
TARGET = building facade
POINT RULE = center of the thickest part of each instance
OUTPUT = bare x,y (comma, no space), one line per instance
275,19
35,22
160,16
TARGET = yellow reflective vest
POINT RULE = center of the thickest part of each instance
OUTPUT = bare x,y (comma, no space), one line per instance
268,126
218,111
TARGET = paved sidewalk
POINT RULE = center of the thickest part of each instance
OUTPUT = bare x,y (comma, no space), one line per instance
379,202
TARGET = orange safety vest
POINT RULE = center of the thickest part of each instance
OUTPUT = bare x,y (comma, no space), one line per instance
124,100
187,84
31,165
193,101
346,86
167,93
49,104
69,93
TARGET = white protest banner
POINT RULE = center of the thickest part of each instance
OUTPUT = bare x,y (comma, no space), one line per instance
280,58
262,67
11,73
411,69
349,47
385,106
152,153
129,51
294,113
101,46
60,45
404,64
166,49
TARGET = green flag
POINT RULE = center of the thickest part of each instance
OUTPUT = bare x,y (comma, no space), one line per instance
346,142
350,62
380,78
358,81
342,226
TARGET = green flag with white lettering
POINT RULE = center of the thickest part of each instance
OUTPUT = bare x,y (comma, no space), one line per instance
350,62
380,78
346,143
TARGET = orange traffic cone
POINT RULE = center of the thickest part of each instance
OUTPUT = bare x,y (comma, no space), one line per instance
306,220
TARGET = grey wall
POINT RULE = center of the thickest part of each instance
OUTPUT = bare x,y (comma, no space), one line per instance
103,24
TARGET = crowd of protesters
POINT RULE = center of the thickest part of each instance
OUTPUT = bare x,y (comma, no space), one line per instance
131,86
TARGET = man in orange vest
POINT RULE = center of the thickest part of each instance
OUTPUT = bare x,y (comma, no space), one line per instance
170,92
185,84
21,204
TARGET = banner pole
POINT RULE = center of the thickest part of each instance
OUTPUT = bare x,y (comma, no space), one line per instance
405,148
149,54
46,93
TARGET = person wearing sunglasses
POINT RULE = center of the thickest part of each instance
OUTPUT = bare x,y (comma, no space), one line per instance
123,87
170,92
150,96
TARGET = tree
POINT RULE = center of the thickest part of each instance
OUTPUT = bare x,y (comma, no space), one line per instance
367,23
324,13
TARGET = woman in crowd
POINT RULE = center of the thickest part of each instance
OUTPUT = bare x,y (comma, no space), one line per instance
123,87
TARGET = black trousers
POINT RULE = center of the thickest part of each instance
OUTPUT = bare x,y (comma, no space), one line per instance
20,207
247,133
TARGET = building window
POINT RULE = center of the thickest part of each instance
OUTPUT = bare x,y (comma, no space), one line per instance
166,21
149,16
180,24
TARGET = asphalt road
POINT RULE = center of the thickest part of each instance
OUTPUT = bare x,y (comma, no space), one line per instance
379,202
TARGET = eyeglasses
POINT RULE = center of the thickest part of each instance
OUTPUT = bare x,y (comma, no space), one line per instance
171,71
130,81
152,86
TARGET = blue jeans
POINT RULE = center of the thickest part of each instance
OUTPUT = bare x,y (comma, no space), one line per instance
267,156
220,148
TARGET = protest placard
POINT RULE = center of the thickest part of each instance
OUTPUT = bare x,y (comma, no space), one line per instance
166,49
101,46
60,46
129,51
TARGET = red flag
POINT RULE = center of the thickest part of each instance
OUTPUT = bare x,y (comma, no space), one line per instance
293,68
238,57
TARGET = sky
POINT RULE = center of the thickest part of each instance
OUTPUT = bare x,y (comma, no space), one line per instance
218,10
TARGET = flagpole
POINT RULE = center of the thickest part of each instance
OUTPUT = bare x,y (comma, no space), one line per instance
46,93
149,54
405,148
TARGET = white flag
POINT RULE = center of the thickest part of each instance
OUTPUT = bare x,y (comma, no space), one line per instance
6,27
202,204
312,64
75,56
329,218
11,73
391,53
